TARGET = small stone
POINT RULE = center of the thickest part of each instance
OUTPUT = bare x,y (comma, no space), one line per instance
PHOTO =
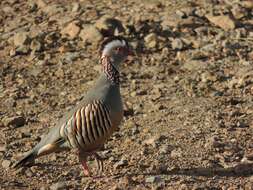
28,173
69,57
238,12
2,147
123,162
151,40
32,6
177,44
91,34
53,9
58,186
6,164
247,4
135,130
225,22
153,179
12,52
75,7
20,39
214,142
154,141
25,134
22,49
181,14
16,121
8,9
165,149
195,65
176,153
41,3
241,124
72,30
35,45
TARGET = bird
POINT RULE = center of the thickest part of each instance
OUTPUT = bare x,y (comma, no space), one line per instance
91,123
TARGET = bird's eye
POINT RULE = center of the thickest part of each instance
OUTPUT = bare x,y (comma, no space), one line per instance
119,49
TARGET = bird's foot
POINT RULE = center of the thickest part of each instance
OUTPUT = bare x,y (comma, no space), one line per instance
98,159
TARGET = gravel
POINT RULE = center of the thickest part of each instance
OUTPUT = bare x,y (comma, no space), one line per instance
187,93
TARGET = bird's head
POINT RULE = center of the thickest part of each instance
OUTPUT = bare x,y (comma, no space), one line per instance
116,50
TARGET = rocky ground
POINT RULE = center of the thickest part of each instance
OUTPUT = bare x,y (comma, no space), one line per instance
188,92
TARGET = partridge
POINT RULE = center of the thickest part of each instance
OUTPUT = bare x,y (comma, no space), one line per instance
87,126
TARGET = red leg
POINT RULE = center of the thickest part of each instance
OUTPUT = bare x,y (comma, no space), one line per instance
86,170
82,158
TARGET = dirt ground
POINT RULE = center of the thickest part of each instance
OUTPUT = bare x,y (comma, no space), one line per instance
187,92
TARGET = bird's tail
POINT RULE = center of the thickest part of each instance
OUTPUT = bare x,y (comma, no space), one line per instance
28,158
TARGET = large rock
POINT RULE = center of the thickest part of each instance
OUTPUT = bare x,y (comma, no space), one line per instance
223,21
91,34
71,30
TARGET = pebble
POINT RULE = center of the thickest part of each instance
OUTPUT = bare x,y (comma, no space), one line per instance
153,179
35,45
71,30
135,130
247,4
123,162
238,11
151,40
20,39
241,124
195,65
22,49
75,7
69,57
12,52
29,173
16,121
225,22
2,147
41,3
6,164
180,13
176,153
165,149
58,186
177,44
91,34
154,141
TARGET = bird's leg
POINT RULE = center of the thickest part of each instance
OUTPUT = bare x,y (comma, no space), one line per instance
100,163
82,158
86,170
